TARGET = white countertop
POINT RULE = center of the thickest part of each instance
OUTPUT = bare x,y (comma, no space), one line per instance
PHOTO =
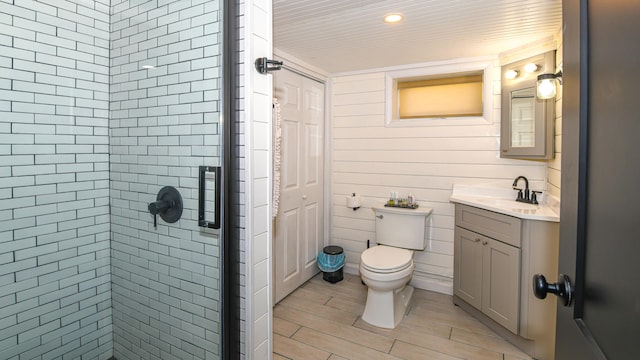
503,201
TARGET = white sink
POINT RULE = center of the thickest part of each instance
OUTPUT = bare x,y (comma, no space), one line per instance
509,204
502,200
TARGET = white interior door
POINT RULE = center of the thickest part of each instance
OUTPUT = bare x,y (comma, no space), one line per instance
299,230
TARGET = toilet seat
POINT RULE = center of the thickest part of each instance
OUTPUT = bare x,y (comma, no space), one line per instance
386,259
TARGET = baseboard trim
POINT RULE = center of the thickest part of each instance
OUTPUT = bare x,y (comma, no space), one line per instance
353,269
441,286
431,284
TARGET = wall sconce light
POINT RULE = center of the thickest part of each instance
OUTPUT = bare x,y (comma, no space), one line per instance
547,85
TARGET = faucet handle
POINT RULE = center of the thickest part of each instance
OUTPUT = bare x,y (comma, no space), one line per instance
520,196
534,198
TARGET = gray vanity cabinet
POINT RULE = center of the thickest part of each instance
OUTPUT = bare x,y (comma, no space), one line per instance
495,258
486,270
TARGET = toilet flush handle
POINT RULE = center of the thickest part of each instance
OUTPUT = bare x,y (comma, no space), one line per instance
380,216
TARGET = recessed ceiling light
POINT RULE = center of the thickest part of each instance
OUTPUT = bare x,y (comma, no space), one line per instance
393,18
148,67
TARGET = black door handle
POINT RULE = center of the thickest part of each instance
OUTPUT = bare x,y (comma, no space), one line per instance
562,288
217,171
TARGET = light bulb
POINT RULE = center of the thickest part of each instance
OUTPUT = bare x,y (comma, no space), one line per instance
393,18
511,74
531,67
546,88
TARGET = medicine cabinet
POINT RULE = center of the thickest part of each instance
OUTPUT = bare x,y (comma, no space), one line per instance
527,126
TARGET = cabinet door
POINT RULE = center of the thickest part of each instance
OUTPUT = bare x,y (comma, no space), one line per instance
467,265
501,283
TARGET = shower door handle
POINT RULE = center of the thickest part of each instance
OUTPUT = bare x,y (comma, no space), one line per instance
217,172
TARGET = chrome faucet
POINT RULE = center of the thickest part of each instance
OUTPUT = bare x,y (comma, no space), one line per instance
522,197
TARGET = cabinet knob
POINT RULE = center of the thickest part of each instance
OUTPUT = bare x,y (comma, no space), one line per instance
477,240
485,242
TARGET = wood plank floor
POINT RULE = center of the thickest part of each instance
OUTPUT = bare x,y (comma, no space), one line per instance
322,321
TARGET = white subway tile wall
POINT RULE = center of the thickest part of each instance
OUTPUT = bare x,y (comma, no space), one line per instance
164,123
240,164
258,97
254,90
55,277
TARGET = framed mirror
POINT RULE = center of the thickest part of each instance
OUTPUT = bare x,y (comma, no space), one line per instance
523,113
527,122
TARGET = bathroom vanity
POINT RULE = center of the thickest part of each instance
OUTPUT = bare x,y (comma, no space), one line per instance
499,245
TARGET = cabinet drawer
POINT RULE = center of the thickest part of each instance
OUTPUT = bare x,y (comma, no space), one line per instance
498,226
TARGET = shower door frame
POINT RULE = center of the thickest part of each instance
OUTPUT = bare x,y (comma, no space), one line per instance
229,249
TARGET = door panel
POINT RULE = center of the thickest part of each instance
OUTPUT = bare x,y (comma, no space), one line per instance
501,276
600,177
290,96
290,225
289,172
311,235
301,192
468,266
312,152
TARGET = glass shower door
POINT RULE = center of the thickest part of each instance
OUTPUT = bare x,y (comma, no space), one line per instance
166,131
108,111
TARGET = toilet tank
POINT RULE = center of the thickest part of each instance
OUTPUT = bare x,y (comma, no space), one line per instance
403,228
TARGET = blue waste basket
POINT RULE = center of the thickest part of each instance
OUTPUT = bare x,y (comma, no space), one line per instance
331,262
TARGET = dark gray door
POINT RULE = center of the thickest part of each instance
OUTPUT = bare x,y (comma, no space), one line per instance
600,250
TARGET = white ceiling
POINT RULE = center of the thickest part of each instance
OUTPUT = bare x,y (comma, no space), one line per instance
345,35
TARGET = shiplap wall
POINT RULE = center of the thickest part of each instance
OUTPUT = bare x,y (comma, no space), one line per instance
372,160
55,281
554,165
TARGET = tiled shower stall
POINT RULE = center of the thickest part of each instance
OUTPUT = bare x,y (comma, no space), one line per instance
87,139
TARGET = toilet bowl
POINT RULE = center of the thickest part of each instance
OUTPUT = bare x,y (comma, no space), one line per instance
386,269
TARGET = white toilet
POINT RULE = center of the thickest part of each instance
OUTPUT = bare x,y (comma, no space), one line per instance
387,268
